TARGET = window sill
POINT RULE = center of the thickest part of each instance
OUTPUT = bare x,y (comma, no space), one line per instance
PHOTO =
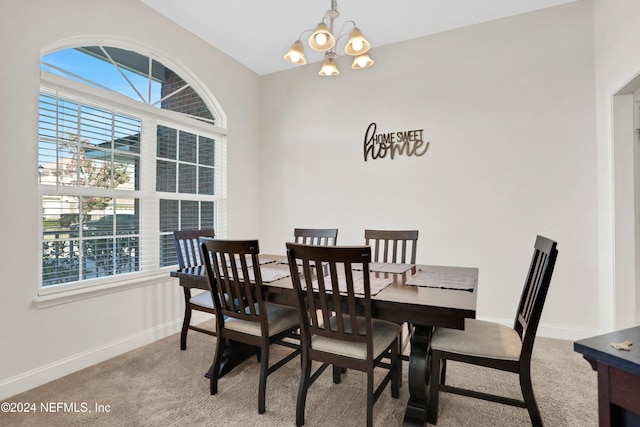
52,297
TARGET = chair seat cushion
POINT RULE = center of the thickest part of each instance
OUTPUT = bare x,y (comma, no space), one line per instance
279,318
202,299
479,338
383,334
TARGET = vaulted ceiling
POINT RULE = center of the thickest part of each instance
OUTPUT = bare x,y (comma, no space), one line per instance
257,33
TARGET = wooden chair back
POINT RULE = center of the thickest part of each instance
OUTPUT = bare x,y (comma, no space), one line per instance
188,247
316,236
326,287
233,269
395,246
534,292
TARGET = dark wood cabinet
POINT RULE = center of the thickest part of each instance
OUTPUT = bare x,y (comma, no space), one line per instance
618,376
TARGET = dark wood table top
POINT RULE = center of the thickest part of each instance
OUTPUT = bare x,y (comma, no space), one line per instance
398,301
599,349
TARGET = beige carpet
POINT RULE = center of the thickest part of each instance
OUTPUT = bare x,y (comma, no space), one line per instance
159,385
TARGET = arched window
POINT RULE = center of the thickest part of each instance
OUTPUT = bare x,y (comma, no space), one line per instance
128,152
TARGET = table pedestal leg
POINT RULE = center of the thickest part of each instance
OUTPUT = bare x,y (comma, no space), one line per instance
233,356
416,412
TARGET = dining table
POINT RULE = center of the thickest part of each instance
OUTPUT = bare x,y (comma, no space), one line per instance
424,297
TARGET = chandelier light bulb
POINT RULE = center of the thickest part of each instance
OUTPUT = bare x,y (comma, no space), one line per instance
329,68
357,44
296,54
322,39
362,61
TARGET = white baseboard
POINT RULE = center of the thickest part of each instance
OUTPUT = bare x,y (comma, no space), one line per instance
58,369
551,330
563,332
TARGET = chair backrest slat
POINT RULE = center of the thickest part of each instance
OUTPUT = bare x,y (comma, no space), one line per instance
393,245
316,236
188,247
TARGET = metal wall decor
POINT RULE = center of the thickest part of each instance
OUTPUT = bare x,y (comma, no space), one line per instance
379,145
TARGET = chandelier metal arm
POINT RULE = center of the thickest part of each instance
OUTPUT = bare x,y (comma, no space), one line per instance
341,34
309,30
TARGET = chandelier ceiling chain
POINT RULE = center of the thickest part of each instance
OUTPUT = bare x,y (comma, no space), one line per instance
323,40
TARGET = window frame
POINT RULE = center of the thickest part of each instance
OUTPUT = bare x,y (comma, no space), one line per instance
149,198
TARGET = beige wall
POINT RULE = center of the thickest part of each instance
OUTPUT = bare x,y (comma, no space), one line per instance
507,107
40,344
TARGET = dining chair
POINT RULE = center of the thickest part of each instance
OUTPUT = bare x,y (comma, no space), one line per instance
336,324
497,346
320,237
395,246
242,315
188,253
316,236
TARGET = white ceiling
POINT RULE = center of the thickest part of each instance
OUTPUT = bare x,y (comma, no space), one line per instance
257,33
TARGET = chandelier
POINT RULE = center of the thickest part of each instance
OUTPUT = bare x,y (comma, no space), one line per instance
323,40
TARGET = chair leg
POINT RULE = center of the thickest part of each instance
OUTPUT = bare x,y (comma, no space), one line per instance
187,319
370,398
396,377
400,362
434,388
215,367
302,389
262,387
337,373
529,398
